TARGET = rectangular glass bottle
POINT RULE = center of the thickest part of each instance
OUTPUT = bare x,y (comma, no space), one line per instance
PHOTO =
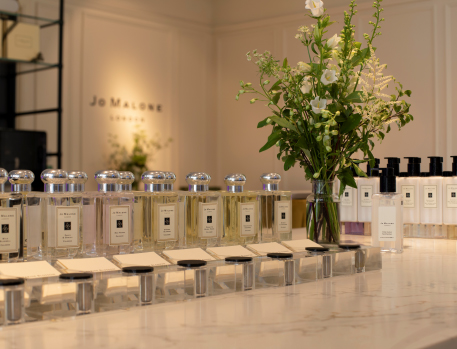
366,187
11,223
199,212
348,210
240,221
409,185
450,203
387,215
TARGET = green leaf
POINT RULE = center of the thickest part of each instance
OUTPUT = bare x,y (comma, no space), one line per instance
262,123
351,123
284,123
408,93
358,170
275,85
284,63
289,162
272,139
354,97
348,177
275,99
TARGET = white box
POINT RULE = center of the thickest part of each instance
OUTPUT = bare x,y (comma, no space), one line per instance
22,42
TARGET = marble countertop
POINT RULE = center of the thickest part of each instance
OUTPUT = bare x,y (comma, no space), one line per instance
411,303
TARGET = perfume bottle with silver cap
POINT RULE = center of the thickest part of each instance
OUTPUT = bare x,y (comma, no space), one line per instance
114,216
162,216
200,209
31,247
240,218
62,233
275,210
170,179
11,235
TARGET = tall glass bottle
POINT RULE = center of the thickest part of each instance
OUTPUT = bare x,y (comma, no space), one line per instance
240,220
170,179
62,233
199,212
11,223
275,210
114,214
161,212
387,214
348,210
450,200
409,186
367,186
31,246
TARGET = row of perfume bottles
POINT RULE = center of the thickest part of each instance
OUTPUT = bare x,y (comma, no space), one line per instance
66,221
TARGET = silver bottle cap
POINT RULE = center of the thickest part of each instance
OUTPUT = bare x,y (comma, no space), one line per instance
3,179
170,179
21,180
76,181
54,181
107,180
235,182
126,178
198,181
270,181
153,181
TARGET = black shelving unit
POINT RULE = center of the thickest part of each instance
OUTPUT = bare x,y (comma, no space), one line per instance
9,71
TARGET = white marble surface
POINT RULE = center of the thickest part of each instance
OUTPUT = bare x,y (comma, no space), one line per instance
411,303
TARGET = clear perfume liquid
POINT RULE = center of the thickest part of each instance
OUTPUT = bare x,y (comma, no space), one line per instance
34,216
366,187
275,218
387,222
200,219
431,200
92,236
63,225
11,224
240,221
140,243
162,221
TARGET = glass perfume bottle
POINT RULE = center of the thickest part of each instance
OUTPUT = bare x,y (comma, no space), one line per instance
367,186
408,185
240,221
450,200
114,214
170,179
387,214
31,246
62,223
275,210
11,223
199,210
348,209
161,212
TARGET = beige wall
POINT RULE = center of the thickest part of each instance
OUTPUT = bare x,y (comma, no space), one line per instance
189,55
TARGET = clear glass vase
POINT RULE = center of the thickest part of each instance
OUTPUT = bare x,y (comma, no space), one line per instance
323,213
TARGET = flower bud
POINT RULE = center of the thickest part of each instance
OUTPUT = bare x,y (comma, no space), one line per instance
266,82
253,100
326,131
319,138
317,125
268,121
334,132
316,175
328,149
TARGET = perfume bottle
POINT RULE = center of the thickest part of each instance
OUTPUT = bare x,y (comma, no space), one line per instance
348,209
31,246
62,223
170,179
11,236
76,188
431,200
161,212
450,200
387,214
408,185
200,210
395,164
366,187
275,210
114,214
240,221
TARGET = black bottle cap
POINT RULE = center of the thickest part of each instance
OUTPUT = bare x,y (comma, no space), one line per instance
387,181
436,166
454,165
76,276
192,263
317,249
138,270
349,246
403,174
414,166
447,174
395,164
280,255
370,171
425,174
238,259
12,282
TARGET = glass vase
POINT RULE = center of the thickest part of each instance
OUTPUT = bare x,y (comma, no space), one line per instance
323,213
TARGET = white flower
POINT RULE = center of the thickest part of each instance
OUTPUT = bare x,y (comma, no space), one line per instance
316,7
333,41
306,87
335,55
304,67
328,77
318,104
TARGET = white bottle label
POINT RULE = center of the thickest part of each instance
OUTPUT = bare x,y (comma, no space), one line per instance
451,195
67,223
409,196
247,219
167,222
119,225
430,196
387,226
366,193
9,236
346,198
283,216
208,221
